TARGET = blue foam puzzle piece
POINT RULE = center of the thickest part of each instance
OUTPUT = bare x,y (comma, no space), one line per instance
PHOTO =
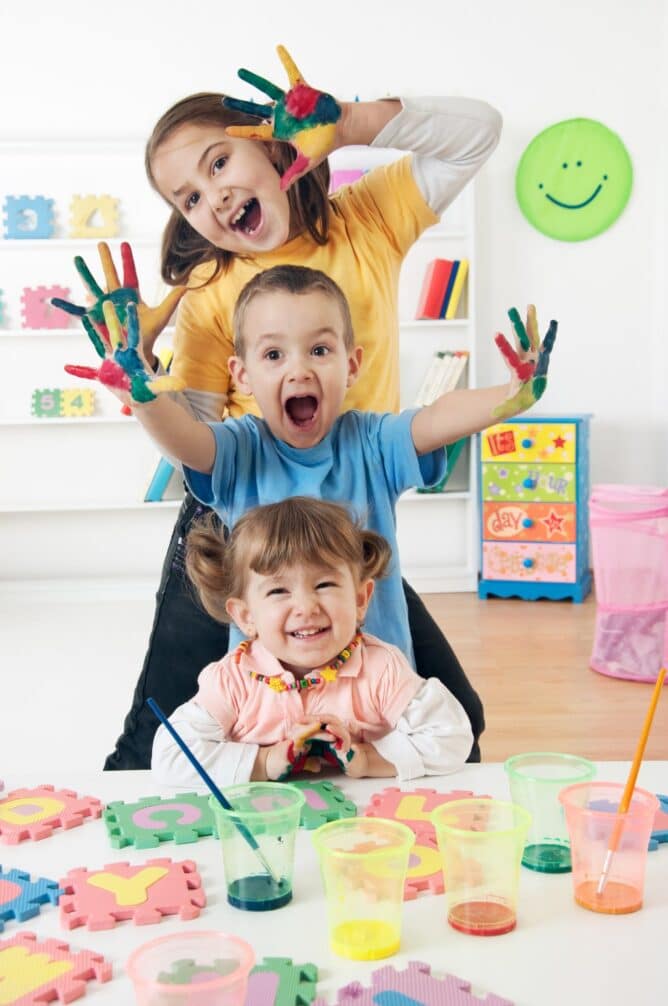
18,211
26,903
660,835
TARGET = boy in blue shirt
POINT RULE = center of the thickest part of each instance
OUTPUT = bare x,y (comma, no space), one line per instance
295,352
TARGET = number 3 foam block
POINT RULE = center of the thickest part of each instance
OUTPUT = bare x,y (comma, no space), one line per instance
145,893
35,813
34,972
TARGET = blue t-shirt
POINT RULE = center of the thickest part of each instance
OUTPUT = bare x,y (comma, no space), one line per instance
365,462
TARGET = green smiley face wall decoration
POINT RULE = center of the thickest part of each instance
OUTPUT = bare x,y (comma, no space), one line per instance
574,179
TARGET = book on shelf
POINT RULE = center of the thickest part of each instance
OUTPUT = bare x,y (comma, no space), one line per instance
448,289
443,374
434,285
451,303
166,483
453,453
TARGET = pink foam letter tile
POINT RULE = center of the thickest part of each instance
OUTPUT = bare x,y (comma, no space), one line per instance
119,891
413,807
33,972
34,813
39,312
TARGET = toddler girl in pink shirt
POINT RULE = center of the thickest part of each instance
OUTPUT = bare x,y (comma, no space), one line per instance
296,577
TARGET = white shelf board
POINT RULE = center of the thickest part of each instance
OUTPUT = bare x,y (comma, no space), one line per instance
63,420
433,323
78,507
413,496
22,333
14,244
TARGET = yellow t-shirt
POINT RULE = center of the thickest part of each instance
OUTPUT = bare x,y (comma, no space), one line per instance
380,217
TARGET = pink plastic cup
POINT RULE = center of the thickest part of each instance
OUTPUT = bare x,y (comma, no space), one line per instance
197,968
592,820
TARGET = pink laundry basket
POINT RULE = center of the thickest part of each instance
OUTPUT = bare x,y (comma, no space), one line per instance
629,534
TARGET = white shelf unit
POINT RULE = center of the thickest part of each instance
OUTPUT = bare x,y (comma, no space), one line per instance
71,490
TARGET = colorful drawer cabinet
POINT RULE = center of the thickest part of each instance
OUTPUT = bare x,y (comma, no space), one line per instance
534,481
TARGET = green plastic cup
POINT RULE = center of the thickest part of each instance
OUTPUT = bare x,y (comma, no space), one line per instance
364,862
481,842
536,780
270,813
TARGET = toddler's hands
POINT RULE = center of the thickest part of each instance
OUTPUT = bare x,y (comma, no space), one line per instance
358,766
303,117
123,369
528,364
152,320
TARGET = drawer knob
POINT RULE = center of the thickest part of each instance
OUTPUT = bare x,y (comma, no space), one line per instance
527,442
527,563
529,483
527,522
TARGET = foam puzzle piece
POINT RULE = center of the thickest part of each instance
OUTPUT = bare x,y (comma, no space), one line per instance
324,802
28,217
77,402
21,898
93,216
416,986
34,972
143,892
46,403
413,807
35,813
37,311
660,826
148,822
425,866
188,972
279,982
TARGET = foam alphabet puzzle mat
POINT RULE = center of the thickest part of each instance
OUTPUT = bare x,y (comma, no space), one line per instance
35,813
279,982
660,826
143,892
413,807
21,897
37,311
324,802
148,822
34,972
416,986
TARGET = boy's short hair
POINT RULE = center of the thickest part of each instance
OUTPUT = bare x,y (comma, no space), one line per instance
297,279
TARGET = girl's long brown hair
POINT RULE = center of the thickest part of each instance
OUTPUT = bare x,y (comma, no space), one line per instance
183,249
268,538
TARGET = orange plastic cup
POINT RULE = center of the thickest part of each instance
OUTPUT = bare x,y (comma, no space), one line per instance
594,826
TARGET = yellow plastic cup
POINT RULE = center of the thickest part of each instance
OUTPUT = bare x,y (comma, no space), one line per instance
364,862
197,968
481,843
594,826
535,781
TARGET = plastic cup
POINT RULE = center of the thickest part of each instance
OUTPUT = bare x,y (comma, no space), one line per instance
535,781
594,825
270,811
197,968
364,862
481,842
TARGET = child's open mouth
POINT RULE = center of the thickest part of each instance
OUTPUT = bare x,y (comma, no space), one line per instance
308,633
302,409
248,217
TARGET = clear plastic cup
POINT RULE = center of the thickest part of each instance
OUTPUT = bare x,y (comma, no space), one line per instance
197,968
535,780
481,842
270,813
595,827
364,862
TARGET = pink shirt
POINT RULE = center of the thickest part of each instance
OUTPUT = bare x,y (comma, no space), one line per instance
371,691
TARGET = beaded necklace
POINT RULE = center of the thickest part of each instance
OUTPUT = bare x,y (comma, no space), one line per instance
327,673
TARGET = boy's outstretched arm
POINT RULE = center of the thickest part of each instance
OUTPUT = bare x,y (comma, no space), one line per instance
463,412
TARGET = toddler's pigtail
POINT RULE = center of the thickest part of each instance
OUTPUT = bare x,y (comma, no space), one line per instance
206,566
377,555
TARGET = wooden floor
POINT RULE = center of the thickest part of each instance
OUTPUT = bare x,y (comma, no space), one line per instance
529,661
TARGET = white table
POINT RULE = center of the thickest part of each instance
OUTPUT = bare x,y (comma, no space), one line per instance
559,953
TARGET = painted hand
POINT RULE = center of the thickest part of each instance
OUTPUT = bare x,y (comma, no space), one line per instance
152,320
528,364
123,369
303,117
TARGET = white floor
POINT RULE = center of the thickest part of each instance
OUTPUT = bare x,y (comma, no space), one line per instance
68,664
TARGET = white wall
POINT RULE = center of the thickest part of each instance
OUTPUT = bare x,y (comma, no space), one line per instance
81,69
